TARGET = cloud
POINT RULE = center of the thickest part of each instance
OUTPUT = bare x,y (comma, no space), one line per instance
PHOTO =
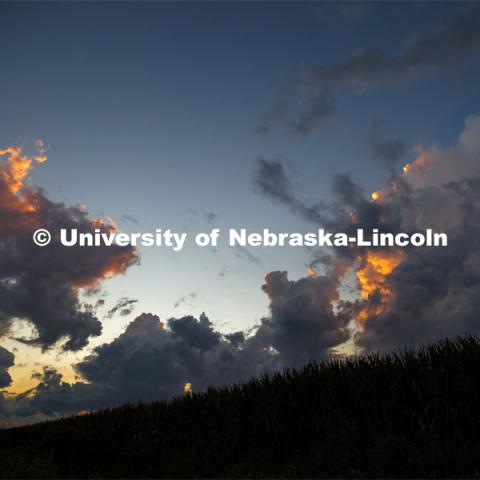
434,292
50,398
271,181
6,361
183,299
404,297
149,361
275,114
153,360
124,306
303,324
387,153
41,285
129,219
315,87
412,295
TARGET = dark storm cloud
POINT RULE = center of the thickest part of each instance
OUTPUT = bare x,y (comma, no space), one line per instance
315,87
50,397
303,325
436,291
387,153
195,333
6,361
93,292
271,181
98,293
236,339
149,362
152,361
124,306
352,209
40,284
433,292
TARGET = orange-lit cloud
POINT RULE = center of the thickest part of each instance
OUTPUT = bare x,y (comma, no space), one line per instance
41,285
372,276
15,166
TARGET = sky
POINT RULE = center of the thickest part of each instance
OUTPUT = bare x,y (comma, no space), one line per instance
201,115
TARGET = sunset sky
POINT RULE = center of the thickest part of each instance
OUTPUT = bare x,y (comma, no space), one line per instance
193,116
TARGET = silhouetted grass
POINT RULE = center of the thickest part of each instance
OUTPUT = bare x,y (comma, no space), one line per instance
411,414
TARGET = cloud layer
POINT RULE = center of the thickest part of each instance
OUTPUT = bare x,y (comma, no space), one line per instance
41,285
153,360
403,297
411,295
316,86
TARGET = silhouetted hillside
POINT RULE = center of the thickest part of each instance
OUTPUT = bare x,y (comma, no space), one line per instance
413,414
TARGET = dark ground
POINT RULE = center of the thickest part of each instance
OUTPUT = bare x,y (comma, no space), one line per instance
413,414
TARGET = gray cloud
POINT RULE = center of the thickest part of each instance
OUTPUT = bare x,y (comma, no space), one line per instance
184,299
315,86
432,292
387,153
152,360
6,361
435,292
274,116
124,307
41,285
271,181
148,362
303,324
129,219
